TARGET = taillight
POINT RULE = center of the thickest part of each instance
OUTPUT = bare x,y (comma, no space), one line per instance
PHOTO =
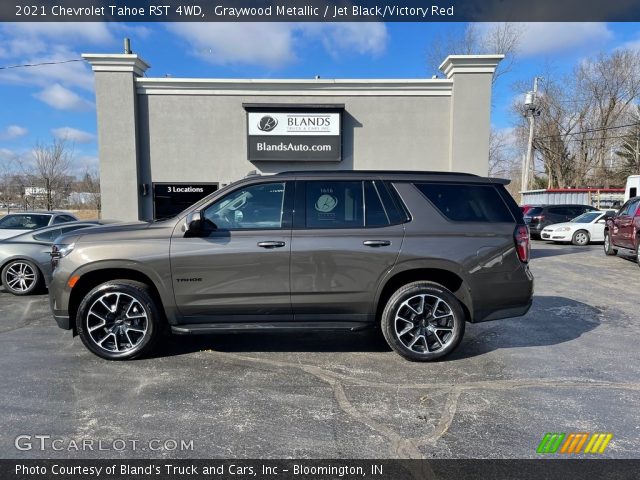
523,245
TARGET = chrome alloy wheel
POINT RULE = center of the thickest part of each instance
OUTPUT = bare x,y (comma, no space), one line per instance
20,277
424,323
117,322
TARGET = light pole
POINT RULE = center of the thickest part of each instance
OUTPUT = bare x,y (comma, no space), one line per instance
531,111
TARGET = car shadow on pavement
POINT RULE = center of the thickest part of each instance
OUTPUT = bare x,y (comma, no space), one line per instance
552,320
369,340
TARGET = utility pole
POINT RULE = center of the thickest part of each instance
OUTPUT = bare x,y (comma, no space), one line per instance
531,111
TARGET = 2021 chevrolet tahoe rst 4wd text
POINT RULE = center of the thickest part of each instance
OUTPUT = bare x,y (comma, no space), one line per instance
417,253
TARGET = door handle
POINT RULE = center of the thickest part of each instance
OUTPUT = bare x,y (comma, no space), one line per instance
271,244
377,243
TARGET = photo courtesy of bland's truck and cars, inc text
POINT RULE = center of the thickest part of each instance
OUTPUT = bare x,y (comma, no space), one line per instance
274,240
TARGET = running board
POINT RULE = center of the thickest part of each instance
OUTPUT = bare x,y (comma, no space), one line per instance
207,328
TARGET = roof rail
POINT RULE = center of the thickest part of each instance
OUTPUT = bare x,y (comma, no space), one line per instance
374,172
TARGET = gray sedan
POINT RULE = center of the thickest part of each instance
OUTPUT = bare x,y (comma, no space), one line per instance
25,261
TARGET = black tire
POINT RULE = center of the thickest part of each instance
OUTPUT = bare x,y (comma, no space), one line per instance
638,251
608,245
92,311
580,238
11,272
396,307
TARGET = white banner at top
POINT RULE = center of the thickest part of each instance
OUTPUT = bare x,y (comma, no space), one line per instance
294,123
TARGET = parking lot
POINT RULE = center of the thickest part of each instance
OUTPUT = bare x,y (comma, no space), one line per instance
570,365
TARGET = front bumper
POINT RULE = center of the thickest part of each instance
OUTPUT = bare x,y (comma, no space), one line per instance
556,236
63,321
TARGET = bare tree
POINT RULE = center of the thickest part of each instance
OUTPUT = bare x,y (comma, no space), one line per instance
628,152
50,171
476,39
611,82
91,185
578,131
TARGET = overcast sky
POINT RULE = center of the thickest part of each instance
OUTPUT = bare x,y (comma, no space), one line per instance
40,103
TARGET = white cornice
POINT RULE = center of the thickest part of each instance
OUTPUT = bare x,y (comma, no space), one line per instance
454,64
320,87
116,63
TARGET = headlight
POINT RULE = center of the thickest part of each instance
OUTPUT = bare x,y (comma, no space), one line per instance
61,250
563,229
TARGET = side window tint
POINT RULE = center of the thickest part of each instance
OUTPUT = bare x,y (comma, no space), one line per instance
255,207
467,203
623,209
633,206
74,227
334,204
58,220
557,211
375,214
48,236
393,209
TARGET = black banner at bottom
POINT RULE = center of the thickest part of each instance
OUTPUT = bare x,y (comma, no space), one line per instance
533,469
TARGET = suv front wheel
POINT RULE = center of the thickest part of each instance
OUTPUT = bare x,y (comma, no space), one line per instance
423,321
119,320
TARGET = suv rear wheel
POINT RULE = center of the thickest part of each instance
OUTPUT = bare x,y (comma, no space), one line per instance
119,320
423,321
608,246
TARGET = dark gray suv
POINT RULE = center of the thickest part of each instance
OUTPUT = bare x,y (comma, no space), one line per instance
418,253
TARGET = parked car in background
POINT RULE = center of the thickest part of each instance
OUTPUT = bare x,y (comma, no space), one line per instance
537,218
526,208
622,231
25,260
632,187
585,228
304,251
23,222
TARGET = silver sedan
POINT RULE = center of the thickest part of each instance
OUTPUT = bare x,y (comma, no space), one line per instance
25,261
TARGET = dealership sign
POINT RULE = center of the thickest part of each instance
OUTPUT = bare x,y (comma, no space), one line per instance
294,136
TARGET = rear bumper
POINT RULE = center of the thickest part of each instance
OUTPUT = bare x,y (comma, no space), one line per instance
508,312
505,297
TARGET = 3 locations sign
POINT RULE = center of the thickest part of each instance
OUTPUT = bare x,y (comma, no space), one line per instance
169,199
294,135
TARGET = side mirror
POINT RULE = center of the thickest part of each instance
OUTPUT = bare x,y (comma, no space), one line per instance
193,224
602,220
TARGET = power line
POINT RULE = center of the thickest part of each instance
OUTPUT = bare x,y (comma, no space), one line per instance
592,130
7,67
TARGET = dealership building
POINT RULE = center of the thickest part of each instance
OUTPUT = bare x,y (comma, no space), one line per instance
166,142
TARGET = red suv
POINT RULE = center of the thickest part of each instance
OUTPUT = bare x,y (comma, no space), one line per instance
622,231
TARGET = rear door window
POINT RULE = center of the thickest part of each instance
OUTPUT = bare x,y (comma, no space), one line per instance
334,204
467,202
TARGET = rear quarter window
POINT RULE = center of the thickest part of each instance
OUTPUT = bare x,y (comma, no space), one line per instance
467,202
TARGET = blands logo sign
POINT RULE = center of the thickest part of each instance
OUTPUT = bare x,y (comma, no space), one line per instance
287,123
594,443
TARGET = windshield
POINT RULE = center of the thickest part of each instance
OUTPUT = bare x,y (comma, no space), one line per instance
24,221
534,211
586,217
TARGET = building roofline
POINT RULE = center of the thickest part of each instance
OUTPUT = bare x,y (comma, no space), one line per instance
295,87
